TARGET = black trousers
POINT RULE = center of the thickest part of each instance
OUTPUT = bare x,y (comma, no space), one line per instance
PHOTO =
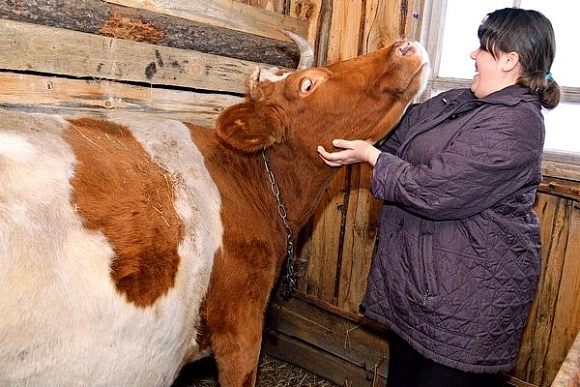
408,368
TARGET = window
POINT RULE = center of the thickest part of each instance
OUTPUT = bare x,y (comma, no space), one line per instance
449,31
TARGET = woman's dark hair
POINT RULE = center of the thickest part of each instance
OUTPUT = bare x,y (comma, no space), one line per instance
529,34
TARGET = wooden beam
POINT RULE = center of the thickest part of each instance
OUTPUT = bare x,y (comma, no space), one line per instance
319,337
558,187
353,342
71,97
217,37
48,50
317,361
228,14
562,165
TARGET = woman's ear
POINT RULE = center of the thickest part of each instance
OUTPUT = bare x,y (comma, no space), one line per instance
510,61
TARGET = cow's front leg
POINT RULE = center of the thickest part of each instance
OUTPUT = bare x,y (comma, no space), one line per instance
237,349
237,299
236,338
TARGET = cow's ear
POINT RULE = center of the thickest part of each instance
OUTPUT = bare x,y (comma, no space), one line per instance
248,127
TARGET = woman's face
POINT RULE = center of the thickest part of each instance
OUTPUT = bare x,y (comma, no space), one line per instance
493,74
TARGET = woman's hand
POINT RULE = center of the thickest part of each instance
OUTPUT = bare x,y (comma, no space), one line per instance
354,152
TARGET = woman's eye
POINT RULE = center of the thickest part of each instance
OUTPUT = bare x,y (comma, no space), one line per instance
306,85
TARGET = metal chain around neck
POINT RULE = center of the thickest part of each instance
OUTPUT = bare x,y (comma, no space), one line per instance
288,285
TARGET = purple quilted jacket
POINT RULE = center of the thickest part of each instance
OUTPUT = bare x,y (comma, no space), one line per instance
458,255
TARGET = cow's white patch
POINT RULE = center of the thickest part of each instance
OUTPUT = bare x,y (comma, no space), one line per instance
198,204
273,74
15,147
62,321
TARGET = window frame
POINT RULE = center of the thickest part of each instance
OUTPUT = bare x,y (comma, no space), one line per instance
555,164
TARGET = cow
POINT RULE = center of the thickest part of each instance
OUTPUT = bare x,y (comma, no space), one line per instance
130,247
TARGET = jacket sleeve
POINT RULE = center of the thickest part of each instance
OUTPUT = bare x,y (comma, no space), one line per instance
485,163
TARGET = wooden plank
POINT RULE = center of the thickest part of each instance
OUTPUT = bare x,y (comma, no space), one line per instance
312,359
553,222
316,14
322,247
223,13
384,22
137,24
325,252
335,336
346,34
567,314
561,165
28,47
35,93
431,29
277,6
318,17
344,339
559,187
361,228
569,373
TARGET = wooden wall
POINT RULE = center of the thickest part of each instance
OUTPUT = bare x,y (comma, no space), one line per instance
188,59
183,59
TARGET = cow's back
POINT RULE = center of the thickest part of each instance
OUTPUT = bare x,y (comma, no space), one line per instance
107,238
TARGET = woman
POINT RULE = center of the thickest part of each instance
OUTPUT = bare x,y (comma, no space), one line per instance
458,256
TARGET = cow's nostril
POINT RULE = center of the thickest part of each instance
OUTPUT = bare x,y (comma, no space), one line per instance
407,49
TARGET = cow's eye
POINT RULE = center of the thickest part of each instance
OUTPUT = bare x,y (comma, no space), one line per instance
306,85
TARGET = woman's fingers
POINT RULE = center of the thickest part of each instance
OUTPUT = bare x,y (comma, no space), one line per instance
329,158
353,152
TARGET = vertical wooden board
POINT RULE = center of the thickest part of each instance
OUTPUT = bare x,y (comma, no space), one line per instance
540,318
345,35
359,239
325,242
418,16
567,315
569,374
310,11
381,24
553,217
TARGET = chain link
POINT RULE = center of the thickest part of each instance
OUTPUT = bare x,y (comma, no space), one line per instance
288,285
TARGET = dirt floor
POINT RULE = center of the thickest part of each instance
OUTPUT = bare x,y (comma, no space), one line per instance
271,373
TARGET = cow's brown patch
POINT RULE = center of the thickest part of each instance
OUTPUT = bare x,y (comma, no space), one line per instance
119,191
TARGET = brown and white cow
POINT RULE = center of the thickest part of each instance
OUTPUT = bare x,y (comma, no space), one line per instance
130,247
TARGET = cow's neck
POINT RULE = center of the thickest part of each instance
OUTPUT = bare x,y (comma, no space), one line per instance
301,177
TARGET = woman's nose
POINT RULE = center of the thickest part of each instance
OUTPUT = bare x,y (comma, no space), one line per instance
473,54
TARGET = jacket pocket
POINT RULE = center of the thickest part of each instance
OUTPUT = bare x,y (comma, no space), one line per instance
429,287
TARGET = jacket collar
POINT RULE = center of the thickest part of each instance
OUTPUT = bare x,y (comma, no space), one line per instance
462,100
509,96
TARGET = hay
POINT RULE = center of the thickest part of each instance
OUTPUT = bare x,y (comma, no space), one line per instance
271,373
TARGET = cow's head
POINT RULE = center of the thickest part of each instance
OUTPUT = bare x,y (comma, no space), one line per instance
360,98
